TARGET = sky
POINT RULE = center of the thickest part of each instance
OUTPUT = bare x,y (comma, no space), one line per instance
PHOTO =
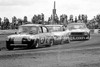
21,8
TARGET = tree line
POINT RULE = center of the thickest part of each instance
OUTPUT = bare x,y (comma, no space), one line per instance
94,23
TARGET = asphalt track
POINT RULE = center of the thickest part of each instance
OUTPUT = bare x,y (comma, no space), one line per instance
74,54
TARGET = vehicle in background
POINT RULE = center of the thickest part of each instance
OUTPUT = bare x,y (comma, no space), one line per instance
78,31
59,33
30,36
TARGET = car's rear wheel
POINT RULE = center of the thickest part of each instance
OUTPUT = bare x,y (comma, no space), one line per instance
51,43
68,41
62,41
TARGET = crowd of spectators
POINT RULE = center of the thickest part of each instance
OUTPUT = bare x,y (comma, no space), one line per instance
39,19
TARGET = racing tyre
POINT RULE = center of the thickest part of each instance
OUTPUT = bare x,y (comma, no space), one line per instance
68,41
29,45
36,45
62,42
50,43
88,37
9,47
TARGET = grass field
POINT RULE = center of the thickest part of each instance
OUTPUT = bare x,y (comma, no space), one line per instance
3,37
3,41
2,32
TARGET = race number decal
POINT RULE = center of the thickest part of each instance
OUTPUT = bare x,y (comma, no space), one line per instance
42,40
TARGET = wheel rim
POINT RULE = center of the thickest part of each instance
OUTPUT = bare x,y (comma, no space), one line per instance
37,45
51,43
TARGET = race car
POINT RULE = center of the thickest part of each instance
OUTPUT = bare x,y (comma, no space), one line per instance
30,36
60,36
78,31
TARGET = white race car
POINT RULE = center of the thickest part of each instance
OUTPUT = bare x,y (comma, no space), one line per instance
78,31
60,36
30,36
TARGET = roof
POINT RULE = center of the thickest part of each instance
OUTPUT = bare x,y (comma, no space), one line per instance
53,25
75,23
32,25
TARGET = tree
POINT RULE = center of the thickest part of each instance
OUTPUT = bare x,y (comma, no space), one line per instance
56,19
25,20
0,21
75,18
35,19
6,23
42,17
79,17
49,20
14,22
14,19
71,18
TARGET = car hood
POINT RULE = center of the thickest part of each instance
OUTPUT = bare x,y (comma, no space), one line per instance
80,30
20,36
60,33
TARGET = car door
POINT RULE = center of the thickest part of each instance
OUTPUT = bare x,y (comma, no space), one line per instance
45,35
41,36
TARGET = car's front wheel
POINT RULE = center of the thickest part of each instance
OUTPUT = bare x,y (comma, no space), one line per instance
36,45
88,37
8,46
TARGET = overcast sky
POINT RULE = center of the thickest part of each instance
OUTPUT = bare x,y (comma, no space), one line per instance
20,8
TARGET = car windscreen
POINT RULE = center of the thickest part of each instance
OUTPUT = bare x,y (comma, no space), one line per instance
28,30
54,28
76,26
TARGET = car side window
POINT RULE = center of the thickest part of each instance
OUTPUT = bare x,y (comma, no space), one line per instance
44,29
40,30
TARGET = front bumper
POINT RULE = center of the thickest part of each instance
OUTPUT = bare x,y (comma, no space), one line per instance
22,43
82,37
